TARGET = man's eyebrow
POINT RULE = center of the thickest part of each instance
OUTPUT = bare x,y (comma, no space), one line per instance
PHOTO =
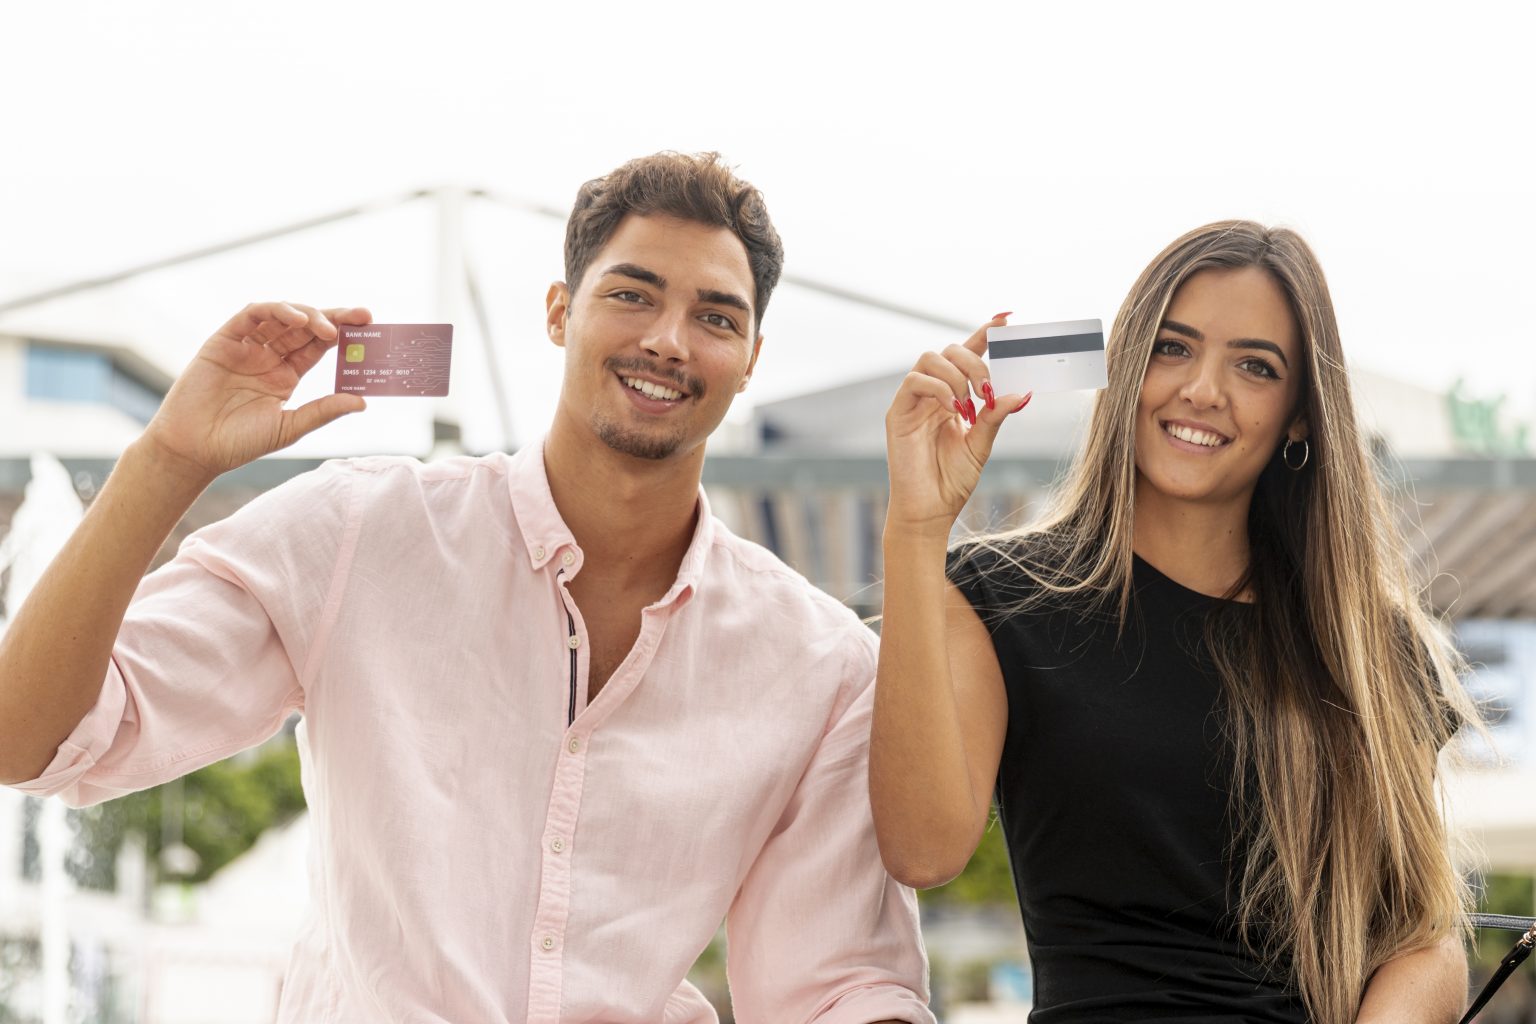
637,272
1260,343
724,299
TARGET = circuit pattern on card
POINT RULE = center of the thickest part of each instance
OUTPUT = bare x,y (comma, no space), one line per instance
420,363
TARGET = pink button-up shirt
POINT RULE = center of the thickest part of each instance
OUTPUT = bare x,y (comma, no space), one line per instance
487,845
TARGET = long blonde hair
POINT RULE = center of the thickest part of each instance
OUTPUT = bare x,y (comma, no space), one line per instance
1343,688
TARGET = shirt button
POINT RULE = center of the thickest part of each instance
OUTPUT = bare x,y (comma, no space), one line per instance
573,642
574,745
538,552
548,943
557,844
567,558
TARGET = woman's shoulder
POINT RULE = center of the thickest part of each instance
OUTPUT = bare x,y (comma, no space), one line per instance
1008,567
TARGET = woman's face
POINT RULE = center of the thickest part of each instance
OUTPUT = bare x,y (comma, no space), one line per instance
1221,390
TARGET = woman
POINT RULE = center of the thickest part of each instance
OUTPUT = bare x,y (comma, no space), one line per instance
1202,688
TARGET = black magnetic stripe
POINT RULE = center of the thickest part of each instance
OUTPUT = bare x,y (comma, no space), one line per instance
1060,344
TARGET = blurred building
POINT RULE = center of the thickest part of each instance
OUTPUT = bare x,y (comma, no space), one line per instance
80,397
806,477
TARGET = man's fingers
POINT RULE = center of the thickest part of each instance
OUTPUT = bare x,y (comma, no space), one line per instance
254,316
286,326
297,338
354,316
314,415
319,324
304,358
287,342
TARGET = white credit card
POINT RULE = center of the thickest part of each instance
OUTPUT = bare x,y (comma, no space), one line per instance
1064,356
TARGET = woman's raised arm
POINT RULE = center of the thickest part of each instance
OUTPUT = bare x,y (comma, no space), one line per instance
941,710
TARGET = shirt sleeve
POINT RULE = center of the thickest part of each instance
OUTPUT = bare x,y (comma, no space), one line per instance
211,655
819,932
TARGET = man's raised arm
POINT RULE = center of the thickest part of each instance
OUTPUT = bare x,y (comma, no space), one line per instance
226,409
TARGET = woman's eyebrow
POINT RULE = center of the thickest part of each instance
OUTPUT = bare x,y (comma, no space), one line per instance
1184,329
1254,343
1260,343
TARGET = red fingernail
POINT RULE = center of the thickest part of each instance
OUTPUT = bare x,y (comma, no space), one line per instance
959,408
970,411
999,316
986,390
1025,402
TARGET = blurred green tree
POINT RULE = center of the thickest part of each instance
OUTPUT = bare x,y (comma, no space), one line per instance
987,878
1501,894
225,807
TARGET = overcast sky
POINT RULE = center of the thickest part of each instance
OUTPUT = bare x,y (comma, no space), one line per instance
960,158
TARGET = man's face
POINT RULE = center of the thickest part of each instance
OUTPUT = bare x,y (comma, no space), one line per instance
659,336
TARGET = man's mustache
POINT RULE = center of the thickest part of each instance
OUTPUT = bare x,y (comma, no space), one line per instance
694,386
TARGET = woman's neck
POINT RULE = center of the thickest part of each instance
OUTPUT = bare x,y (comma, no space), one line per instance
1202,546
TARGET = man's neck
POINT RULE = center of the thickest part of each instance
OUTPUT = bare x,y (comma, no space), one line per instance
633,518
1201,545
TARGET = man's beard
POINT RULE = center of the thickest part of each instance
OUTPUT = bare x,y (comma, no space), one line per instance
644,444
639,443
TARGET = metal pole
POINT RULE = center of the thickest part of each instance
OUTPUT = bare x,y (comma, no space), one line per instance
492,362
450,289
91,283
858,298
52,841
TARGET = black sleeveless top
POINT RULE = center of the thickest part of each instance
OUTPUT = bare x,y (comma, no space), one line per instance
1113,793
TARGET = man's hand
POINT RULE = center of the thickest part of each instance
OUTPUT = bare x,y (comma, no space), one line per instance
226,408
223,411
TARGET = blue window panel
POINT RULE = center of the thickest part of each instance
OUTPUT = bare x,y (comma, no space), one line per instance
130,396
67,374
83,376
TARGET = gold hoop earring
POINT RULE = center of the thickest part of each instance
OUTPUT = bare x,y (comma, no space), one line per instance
1285,455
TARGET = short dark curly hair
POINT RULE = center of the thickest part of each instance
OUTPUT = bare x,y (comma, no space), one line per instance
697,187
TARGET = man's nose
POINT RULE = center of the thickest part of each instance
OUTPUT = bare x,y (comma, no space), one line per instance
667,339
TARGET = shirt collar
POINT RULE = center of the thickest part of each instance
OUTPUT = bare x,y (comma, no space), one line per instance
545,533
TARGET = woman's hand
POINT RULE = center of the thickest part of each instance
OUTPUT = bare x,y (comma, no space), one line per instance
938,437
226,408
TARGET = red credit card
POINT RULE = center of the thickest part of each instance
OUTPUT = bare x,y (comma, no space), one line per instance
393,360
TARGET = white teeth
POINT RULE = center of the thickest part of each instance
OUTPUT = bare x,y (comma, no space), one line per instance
1199,437
650,390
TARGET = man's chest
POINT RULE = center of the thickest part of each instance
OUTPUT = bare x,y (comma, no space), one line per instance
514,732
613,619
611,635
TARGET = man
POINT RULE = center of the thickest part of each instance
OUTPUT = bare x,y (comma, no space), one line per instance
557,720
